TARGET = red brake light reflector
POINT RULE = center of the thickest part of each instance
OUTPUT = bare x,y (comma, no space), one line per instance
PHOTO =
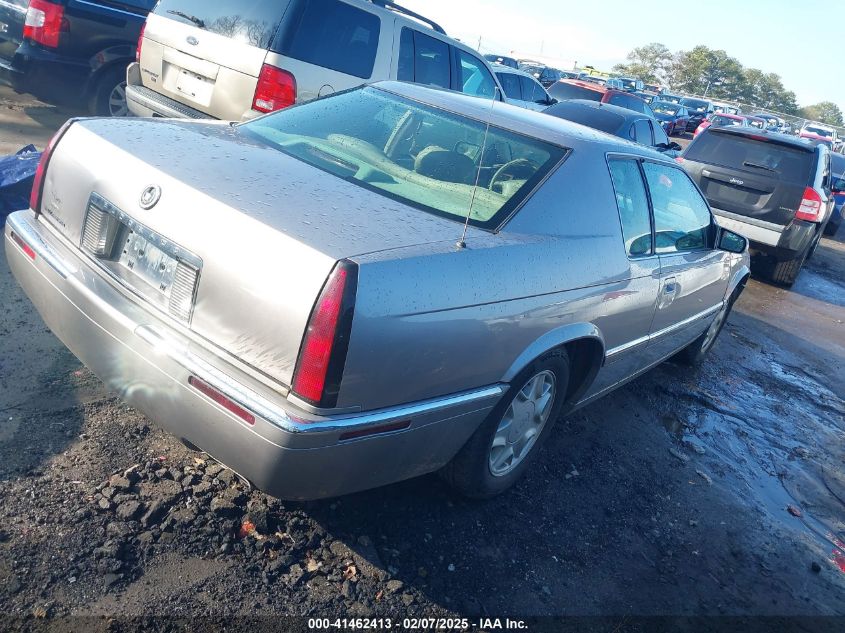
45,22
810,207
26,248
231,406
276,89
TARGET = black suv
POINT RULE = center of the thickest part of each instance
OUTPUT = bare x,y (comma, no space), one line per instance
71,50
772,188
544,74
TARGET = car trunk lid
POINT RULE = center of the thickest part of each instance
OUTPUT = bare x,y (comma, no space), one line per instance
207,55
754,176
261,230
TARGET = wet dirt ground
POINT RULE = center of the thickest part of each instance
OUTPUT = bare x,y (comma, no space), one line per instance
713,492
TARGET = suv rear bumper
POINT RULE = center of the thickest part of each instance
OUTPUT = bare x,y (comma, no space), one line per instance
46,74
286,452
144,102
784,242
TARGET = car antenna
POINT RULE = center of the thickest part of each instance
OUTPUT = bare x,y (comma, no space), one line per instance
462,242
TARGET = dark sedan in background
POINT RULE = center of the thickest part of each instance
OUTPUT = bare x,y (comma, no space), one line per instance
618,121
674,117
698,111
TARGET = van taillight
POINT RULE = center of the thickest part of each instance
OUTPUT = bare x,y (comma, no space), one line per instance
276,89
45,22
41,170
140,42
810,207
322,356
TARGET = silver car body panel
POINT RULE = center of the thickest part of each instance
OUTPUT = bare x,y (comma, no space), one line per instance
438,330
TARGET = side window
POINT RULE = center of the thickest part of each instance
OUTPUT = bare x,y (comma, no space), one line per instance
474,79
682,219
660,137
632,200
335,35
642,130
511,85
531,90
424,60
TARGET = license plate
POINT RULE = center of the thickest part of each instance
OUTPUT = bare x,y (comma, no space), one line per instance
149,263
195,87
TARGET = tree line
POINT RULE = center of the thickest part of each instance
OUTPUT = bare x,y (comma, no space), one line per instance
713,73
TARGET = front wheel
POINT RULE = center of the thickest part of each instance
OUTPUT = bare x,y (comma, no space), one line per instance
501,449
694,353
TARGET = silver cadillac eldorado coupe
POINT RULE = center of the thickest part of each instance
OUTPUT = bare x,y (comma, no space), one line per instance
388,282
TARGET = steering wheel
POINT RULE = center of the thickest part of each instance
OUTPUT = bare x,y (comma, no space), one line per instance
513,169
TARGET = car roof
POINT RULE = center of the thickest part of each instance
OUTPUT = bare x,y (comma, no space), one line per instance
766,135
626,113
737,117
522,121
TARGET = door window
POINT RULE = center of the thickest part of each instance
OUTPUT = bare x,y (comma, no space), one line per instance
423,60
532,91
511,85
475,79
642,132
632,200
660,137
682,220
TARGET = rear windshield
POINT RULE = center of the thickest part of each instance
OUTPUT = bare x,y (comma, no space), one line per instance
725,120
562,91
791,164
819,131
252,22
436,161
594,117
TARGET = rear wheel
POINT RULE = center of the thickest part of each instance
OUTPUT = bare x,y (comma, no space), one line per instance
109,95
786,272
501,449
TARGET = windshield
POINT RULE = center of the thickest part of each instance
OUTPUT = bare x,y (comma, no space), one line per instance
628,83
594,117
670,98
411,152
758,123
819,131
695,105
562,91
665,108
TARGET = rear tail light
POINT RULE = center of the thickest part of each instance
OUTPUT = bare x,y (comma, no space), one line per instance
38,181
276,89
323,353
140,42
45,22
810,207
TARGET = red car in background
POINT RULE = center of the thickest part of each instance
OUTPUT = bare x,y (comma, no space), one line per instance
566,89
721,119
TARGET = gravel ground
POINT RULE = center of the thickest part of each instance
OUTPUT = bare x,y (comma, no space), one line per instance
717,492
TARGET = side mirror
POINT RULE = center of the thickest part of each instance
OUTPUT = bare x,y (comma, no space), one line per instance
732,242
675,146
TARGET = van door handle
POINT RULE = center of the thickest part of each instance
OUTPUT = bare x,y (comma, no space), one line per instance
670,287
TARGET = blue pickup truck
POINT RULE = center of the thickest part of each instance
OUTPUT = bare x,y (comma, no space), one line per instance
72,51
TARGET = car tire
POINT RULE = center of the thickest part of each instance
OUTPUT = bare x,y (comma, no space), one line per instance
694,353
785,272
108,97
471,471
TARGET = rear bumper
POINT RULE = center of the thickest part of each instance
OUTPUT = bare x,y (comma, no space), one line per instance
784,242
46,74
144,102
287,452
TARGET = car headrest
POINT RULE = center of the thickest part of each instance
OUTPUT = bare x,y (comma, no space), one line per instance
446,165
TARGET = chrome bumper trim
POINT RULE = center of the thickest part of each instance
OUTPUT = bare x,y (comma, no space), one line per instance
24,229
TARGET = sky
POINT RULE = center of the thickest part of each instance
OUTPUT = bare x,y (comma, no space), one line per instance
797,39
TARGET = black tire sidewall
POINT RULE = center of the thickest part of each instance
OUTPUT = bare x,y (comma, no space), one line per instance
469,471
106,82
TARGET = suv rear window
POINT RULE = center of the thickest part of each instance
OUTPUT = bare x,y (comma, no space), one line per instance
596,118
563,91
250,21
333,35
735,151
